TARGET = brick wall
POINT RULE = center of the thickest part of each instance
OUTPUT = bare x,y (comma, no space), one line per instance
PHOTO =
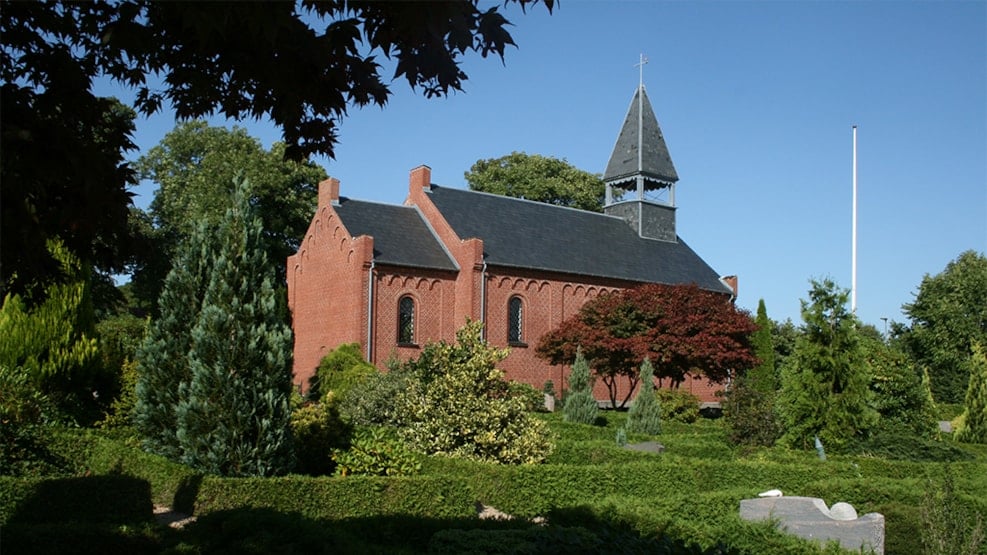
328,287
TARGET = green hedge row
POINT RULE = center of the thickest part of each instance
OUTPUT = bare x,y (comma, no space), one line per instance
90,499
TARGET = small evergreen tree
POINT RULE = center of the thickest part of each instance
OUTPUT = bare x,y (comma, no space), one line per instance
974,428
762,377
580,405
163,364
233,416
825,382
644,416
341,369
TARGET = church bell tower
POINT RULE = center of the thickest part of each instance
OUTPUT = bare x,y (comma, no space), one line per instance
639,165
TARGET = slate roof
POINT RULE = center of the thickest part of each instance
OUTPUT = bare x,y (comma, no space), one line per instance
526,234
655,162
401,236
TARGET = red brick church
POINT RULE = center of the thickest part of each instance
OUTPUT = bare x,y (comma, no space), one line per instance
394,277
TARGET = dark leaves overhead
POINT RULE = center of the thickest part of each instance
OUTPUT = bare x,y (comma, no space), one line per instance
299,64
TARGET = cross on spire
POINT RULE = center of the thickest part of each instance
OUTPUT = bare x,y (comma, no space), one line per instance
640,65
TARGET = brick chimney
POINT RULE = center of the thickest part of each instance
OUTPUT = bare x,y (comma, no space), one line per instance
329,192
732,283
421,178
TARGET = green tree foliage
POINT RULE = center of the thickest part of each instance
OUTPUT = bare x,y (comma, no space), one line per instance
580,404
825,382
376,452
762,377
538,178
193,168
459,405
783,336
948,315
685,330
233,416
318,429
750,416
340,370
163,362
202,58
644,416
53,340
371,402
24,414
901,396
974,428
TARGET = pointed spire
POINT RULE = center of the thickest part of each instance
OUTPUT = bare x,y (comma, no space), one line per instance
640,151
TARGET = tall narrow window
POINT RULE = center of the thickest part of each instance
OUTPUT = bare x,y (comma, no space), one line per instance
515,320
406,320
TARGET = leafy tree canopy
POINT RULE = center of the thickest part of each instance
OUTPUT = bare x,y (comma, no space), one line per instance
194,167
301,64
948,315
683,329
538,178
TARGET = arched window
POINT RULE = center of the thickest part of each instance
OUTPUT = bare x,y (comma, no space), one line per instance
515,320
406,320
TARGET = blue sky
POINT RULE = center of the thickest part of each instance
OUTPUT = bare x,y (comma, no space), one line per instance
756,101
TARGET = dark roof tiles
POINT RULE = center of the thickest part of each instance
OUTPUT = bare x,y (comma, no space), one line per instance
655,163
533,235
401,236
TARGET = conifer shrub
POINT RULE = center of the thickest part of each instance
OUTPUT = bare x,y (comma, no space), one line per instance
974,428
580,404
678,405
340,370
460,405
644,416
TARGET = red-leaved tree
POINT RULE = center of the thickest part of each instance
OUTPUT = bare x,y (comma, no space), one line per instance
683,329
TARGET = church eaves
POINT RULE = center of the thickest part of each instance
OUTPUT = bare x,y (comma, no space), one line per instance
640,148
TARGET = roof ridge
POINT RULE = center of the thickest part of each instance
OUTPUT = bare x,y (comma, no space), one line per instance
516,199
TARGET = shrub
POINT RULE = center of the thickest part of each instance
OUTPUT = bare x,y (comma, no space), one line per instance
24,413
341,369
121,413
376,452
373,401
903,446
947,528
318,429
580,405
678,405
534,400
459,405
750,416
644,416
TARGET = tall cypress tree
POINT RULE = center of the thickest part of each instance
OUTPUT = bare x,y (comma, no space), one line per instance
825,384
163,365
762,377
233,416
975,406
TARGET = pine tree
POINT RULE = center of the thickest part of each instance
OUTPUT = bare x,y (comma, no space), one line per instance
974,428
825,386
163,365
762,377
580,405
644,416
233,415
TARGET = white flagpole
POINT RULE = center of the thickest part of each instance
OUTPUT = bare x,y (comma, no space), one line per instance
853,269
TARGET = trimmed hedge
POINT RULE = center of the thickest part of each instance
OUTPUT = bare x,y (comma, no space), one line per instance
91,499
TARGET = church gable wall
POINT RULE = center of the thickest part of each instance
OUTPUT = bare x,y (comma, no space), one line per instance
326,288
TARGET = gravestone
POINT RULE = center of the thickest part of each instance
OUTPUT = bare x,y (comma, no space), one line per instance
809,518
